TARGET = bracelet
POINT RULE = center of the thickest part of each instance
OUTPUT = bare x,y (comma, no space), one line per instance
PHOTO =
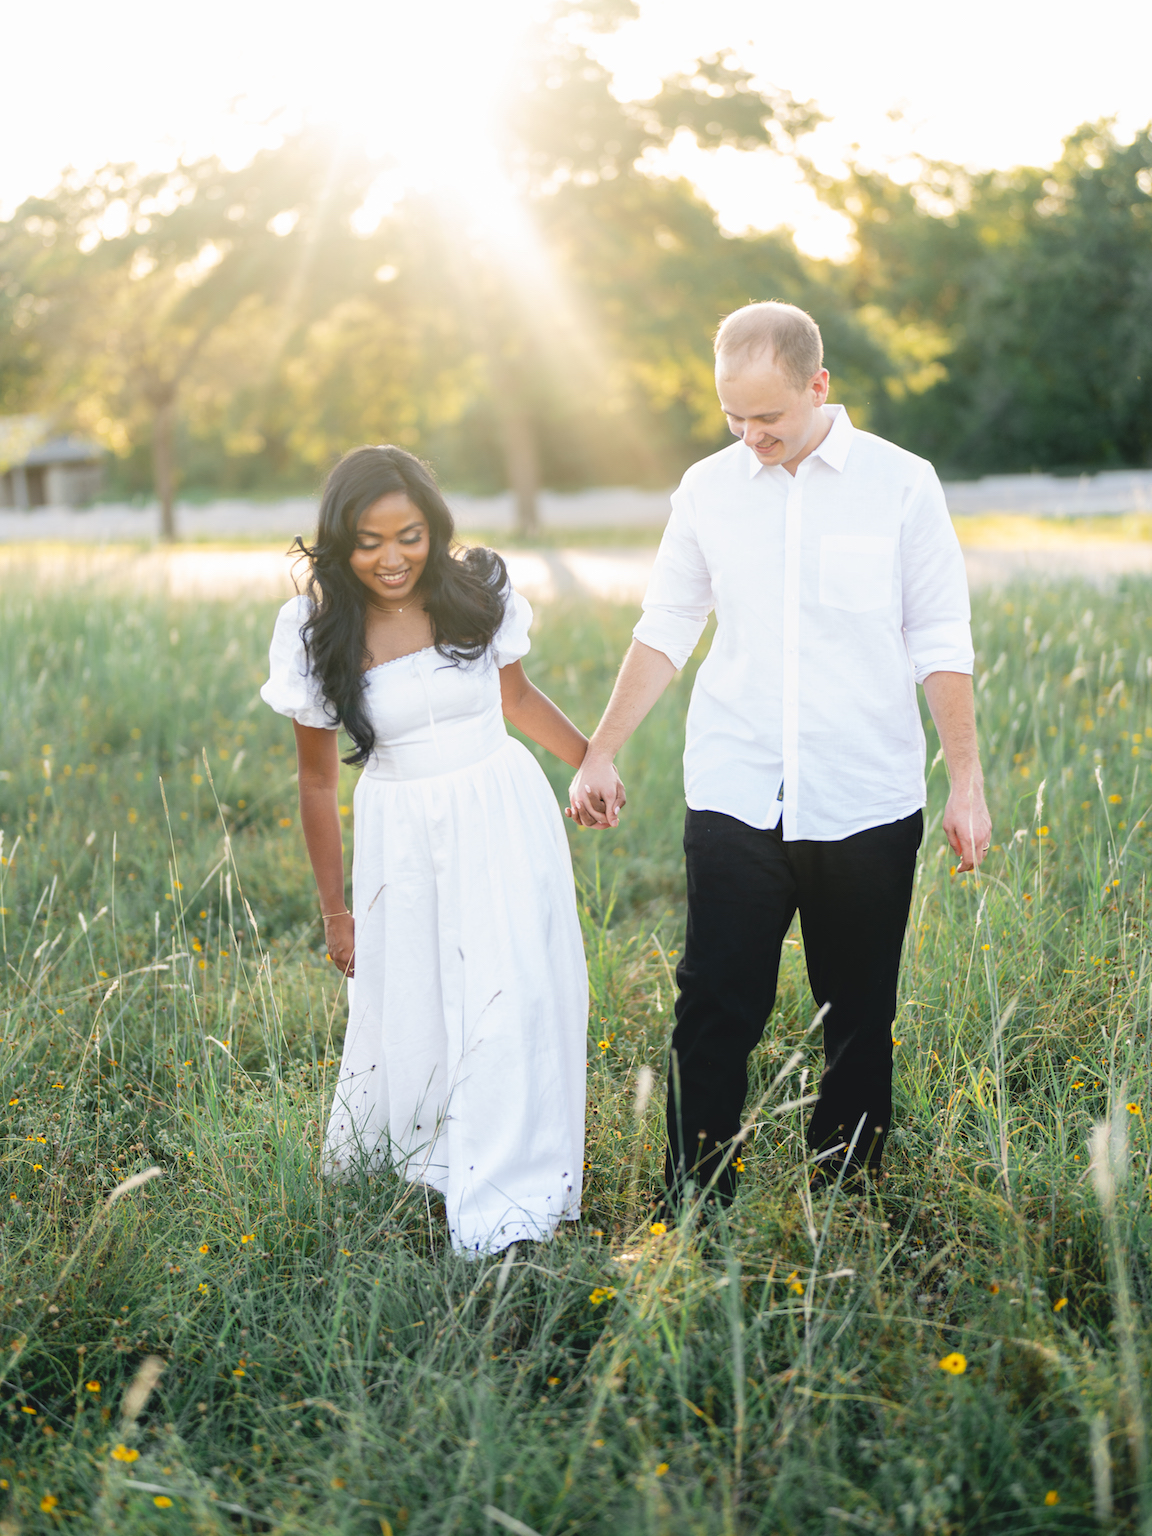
327,915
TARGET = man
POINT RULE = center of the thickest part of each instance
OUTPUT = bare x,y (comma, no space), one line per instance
838,584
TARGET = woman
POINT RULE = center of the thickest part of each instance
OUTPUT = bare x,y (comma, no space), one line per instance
464,1057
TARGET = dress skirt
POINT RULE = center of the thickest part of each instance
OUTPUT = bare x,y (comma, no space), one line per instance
464,1059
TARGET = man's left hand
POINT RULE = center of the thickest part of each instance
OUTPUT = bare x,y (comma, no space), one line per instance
968,827
967,824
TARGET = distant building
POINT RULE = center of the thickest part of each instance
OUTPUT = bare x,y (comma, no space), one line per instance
39,470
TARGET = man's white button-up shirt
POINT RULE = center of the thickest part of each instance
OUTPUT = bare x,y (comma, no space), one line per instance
836,590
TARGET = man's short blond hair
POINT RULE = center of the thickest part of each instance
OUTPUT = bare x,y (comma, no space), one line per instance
790,335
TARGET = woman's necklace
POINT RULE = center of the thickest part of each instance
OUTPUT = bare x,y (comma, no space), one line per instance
380,608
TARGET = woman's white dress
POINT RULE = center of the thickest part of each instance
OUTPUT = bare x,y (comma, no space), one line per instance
464,1058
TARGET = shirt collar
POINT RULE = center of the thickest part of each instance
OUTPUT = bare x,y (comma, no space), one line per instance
833,450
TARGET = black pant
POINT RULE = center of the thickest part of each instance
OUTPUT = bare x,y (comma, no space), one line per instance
744,887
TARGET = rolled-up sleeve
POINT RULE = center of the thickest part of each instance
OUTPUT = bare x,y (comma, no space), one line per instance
937,614
679,596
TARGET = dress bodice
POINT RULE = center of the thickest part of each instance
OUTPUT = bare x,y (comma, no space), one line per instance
430,714
433,715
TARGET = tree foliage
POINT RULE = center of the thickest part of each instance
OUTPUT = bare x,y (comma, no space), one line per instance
241,328
1016,307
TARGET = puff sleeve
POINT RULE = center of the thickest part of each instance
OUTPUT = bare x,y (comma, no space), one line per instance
511,641
291,689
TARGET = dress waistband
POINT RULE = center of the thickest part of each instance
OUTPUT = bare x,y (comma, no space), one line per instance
454,744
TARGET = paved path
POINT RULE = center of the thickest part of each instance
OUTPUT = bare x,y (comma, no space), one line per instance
1118,491
611,575
227,574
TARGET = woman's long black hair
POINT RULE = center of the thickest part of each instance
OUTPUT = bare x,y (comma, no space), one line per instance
463,594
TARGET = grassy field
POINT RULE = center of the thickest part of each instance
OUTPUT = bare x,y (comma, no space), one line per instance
328,1365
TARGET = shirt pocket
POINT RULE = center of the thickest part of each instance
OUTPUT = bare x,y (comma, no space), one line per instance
856,571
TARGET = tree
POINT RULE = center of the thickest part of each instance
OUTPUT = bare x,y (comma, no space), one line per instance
138,276
511,352
575,153
1030,291
566,341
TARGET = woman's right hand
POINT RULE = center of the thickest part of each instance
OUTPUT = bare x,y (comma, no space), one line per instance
340,937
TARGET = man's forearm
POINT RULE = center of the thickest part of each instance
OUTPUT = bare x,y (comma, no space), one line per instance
596,794
967,825
644,675
953,709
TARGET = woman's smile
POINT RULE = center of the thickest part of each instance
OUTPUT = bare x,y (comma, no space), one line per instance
392,546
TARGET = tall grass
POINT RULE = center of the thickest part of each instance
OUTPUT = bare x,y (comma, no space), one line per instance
330,1366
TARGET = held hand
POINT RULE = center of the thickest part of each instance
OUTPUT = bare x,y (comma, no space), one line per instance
596,793
968,827
340,937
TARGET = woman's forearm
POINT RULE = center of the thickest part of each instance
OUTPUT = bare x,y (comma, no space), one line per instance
543,722
320,820
534,713
318,774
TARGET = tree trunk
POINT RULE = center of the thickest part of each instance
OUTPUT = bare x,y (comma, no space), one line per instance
522,465
164,465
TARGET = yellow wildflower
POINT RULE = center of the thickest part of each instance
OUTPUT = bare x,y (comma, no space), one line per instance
126,1454
955,1364
602,1293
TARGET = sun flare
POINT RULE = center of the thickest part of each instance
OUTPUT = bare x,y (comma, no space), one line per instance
421,89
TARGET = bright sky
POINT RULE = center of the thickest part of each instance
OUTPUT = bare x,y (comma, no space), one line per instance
989,83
